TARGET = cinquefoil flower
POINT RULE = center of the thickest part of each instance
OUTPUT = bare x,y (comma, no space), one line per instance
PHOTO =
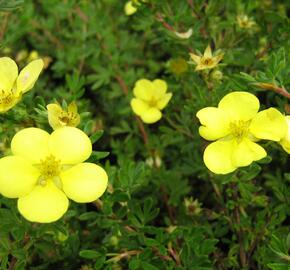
131,6
45,170
285,142
150,99
245,22
58,117
236,124
12,85
207,60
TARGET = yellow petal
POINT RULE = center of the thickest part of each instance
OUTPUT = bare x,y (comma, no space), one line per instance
43,204
151,116
144,89
32,56
8,73
129,8
269,124
161,104
215,123
201,66
195,58
75,121
218,157
139,106
70,145
74,117
286,147
285,142
216,59
54,110
29,75
84,182
17,176
31,144
160,88
246,152
207,53
72,108
240,105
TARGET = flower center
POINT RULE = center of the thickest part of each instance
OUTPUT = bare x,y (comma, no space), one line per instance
239,129
6,98
67,118
152,102
244,23
207,61
49,168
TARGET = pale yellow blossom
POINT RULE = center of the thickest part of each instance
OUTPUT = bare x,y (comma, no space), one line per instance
59,117
207,60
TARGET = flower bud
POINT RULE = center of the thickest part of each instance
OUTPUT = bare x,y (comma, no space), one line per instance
216,75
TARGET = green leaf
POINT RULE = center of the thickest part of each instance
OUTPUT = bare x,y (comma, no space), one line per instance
97,155
100,262
89,254
250,172
278,266
96,136
20,265
10,5
148,266
88,216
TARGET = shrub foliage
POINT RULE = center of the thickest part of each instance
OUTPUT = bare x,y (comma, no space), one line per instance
163,208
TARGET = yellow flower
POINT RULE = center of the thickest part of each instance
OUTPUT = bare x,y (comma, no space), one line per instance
33,55
236,124
245,22
58,117
178,66
45,170
12,85
285,142
131,6
207,61
150,99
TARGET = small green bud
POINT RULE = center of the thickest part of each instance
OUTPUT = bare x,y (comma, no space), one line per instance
216,75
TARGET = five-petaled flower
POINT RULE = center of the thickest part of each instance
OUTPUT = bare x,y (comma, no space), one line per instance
59,117
207,60
245,22
285,142
236,124
47,169
12,85
150,99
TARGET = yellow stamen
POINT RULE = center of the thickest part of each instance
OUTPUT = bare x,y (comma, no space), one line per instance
207,61
6,98
67,118
239,129
49,168
152,102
